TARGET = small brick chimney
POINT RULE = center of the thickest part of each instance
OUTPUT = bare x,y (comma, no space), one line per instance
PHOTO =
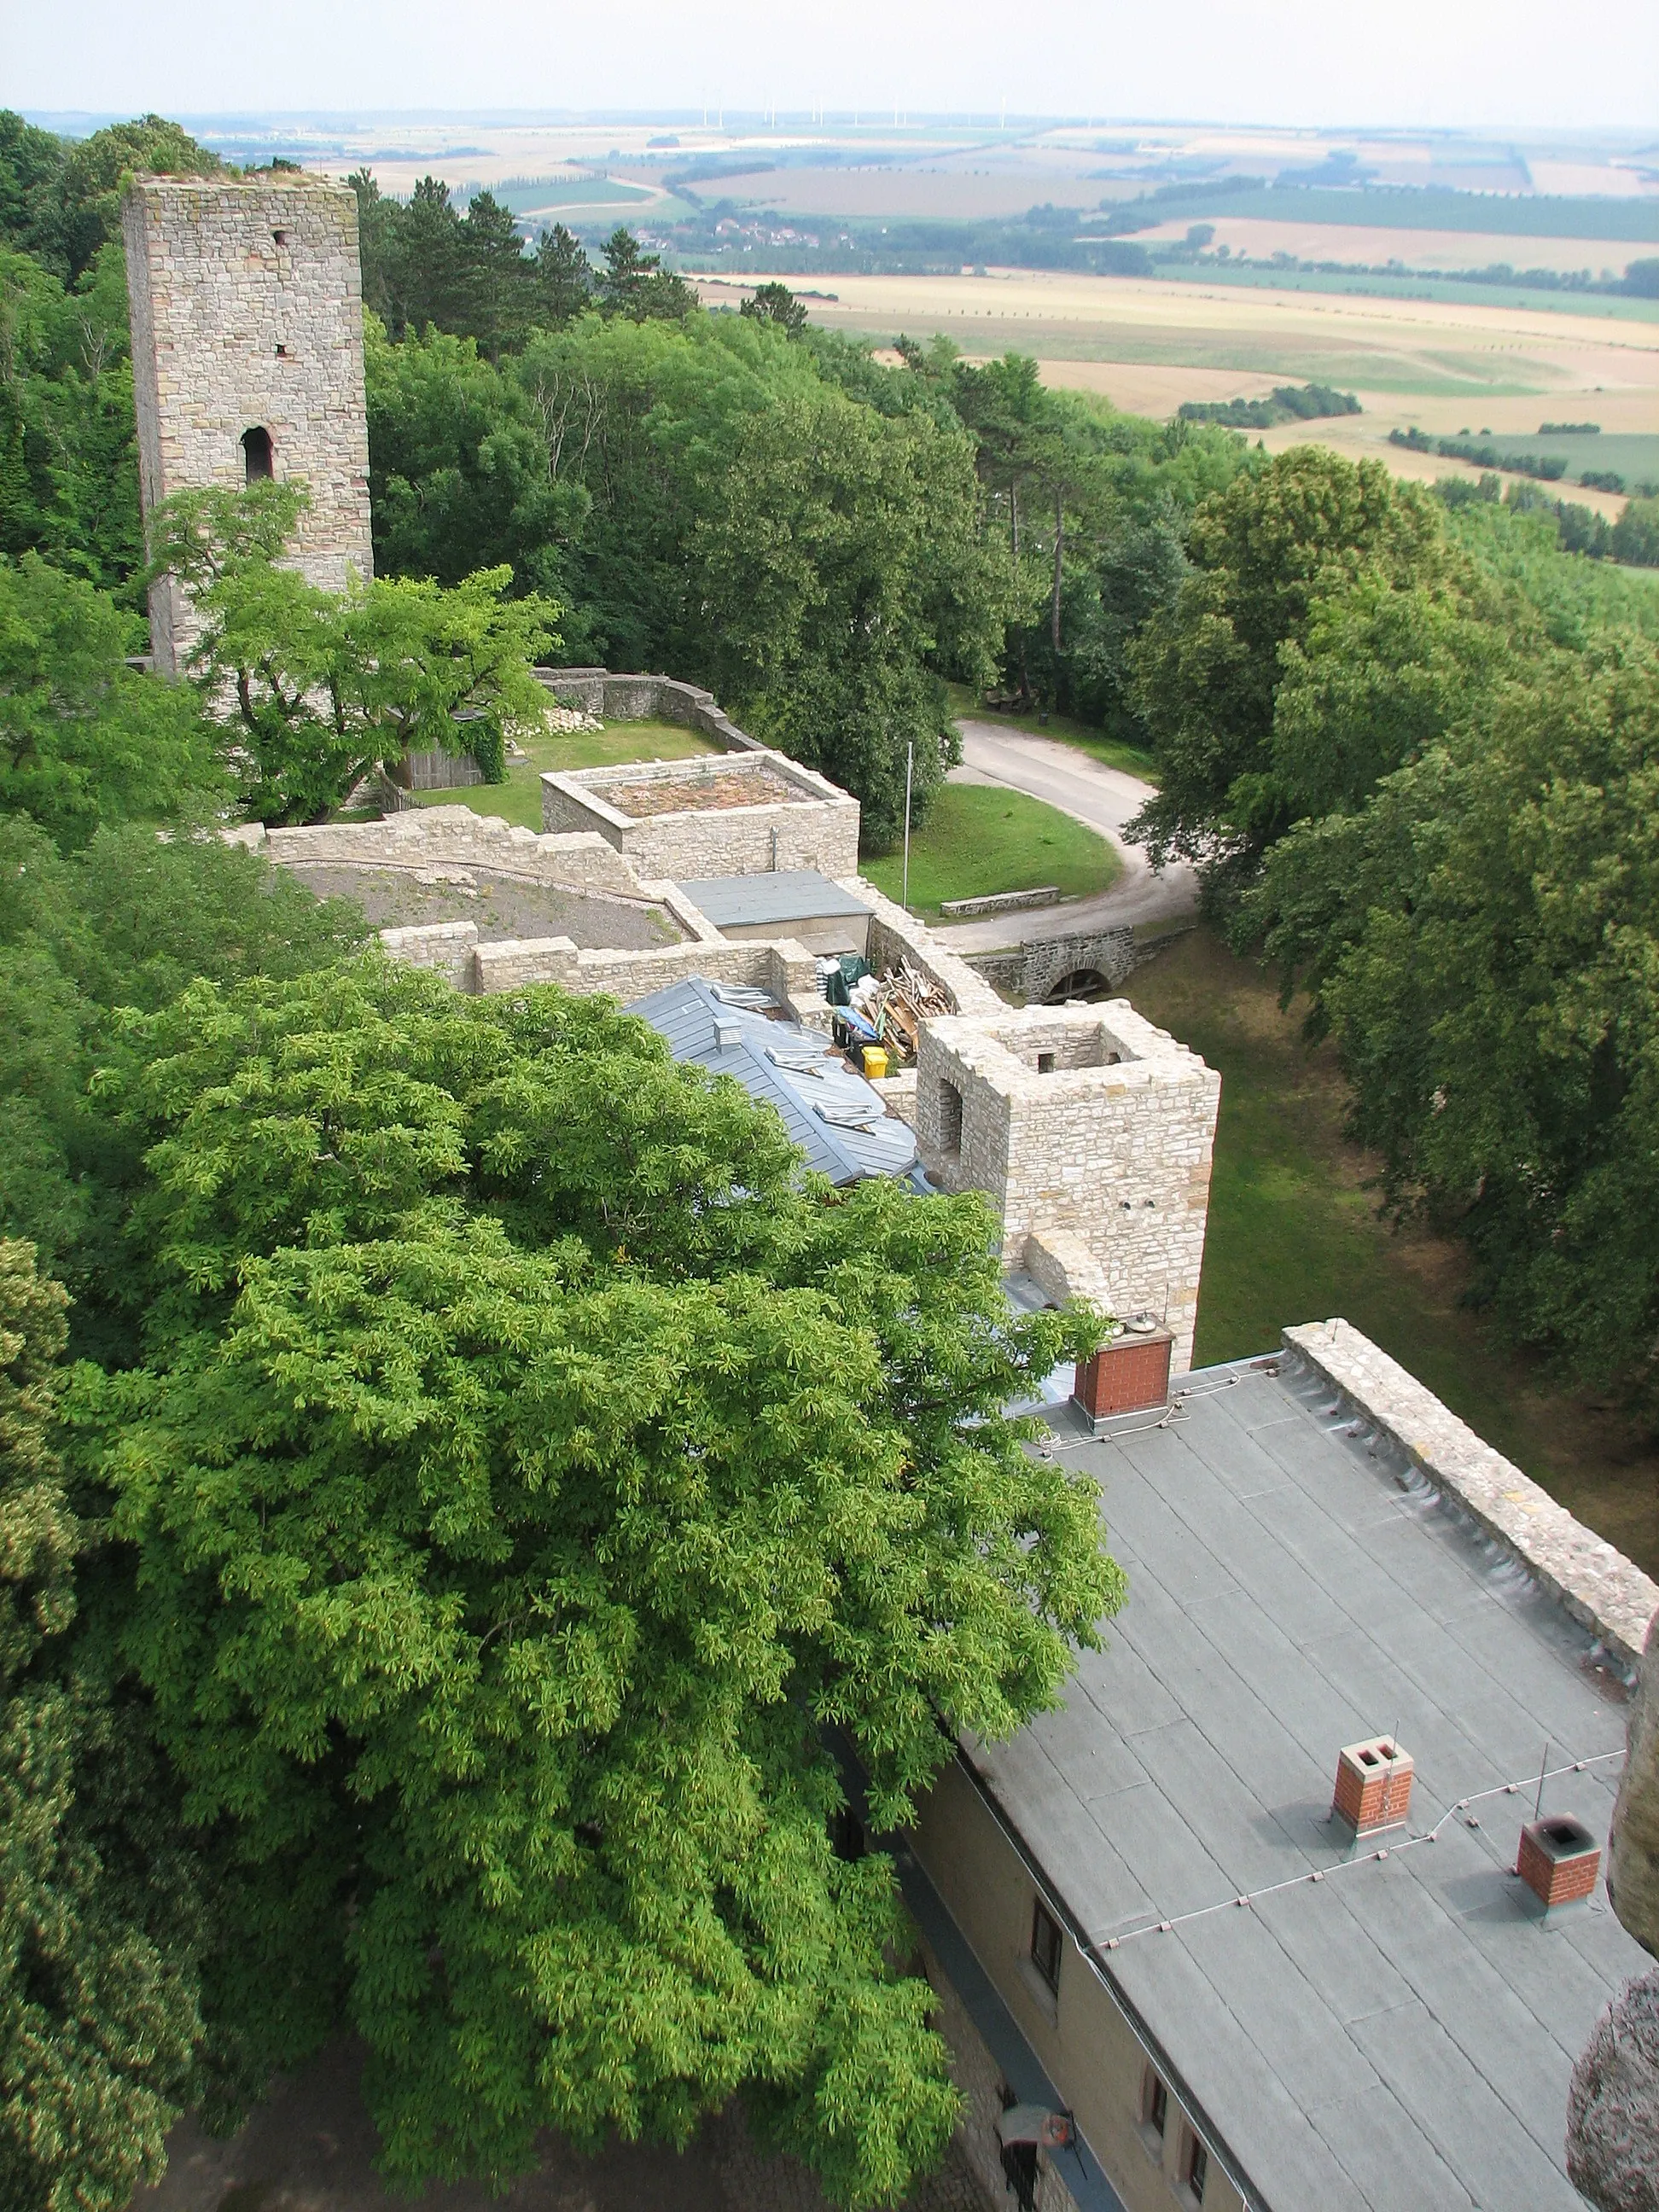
1128,1376
1373,1786
1560,1860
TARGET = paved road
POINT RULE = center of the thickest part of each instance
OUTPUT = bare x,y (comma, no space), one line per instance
1104,798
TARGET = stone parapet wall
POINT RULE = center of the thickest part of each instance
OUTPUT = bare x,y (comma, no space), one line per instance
896,936
429,836
245,302
817,828
1085,1123
783,970
648,699
1596,1585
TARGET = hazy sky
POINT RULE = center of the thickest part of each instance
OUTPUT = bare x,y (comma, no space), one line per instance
1334,62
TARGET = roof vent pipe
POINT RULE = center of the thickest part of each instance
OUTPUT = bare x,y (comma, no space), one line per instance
728,1034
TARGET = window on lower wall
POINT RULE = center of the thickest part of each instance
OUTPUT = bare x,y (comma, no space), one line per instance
1155,2112
1045,1945
1198,2169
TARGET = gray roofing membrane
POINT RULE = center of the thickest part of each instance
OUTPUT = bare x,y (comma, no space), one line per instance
838,1120
780,895
1399,2034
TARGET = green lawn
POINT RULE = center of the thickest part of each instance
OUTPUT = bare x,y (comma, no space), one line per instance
1062,729
1294,1235
520,799
979,839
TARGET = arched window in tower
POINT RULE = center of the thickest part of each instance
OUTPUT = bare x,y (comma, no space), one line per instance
256,456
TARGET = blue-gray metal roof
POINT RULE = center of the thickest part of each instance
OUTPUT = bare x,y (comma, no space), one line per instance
781,895
1402,2033
836,1118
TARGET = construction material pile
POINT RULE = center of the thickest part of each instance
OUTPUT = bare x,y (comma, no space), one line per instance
885,1010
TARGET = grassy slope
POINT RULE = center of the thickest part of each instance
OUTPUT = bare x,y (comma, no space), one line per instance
1294,1235
979,839
520,799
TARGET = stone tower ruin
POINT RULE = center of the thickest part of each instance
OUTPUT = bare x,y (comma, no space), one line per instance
246,296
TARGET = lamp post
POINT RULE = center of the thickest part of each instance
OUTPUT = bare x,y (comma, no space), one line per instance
909,770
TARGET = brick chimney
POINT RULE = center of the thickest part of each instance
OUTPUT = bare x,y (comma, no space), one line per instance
1560,1860
1129,1375
1373,1786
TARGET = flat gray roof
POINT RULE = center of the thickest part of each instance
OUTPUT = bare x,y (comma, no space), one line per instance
780,895
1399,2034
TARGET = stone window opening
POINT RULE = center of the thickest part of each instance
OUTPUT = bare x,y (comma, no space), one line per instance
279,237
950,1117
1045,1063
282,353
257,464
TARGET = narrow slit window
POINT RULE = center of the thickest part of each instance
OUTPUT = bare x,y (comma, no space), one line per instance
1045,1945
1157,2107
256,456
1198,2170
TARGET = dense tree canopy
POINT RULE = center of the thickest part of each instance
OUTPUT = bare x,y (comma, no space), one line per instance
102,1919
325,685
523,1476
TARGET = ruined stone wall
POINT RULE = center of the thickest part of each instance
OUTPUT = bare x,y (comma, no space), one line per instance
1086,1124
245,299
647,699
434,836
818,829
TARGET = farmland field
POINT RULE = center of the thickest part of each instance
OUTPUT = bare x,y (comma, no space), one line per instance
1148,345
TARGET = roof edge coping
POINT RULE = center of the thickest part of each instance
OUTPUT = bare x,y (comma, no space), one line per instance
1589,1577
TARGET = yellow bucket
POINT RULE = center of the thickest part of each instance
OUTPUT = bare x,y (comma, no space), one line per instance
875,1062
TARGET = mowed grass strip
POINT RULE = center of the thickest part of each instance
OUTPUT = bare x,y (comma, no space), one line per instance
1295,1236
979,839
520,799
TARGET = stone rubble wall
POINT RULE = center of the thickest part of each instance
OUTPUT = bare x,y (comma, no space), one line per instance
235,327
785,971
819,830
1596,1585
896,936
647,699
436,836
1110,1149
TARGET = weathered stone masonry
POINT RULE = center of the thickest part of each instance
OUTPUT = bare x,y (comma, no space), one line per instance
1092,1132
246,296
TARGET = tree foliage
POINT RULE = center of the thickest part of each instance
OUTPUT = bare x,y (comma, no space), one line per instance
1479,939
325,685
524,1475
84,739
101,1922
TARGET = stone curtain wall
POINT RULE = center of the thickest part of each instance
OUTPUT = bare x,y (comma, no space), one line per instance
817,829
647,699
1092,1132
438,836
246,297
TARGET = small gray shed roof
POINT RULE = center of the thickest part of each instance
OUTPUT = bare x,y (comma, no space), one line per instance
780,895
838,1120
1401,2034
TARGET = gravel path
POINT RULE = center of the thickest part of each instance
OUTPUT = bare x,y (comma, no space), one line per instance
1106,799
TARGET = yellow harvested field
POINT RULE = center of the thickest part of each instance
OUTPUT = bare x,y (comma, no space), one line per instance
1374,247
1148,346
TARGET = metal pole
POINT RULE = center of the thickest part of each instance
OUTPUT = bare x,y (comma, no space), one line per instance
909,770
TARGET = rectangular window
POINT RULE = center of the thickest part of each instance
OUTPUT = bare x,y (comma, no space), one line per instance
1045,1945
950,1117
1157,2107
1198,2170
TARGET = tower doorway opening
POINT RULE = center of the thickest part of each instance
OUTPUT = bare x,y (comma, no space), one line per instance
256,456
